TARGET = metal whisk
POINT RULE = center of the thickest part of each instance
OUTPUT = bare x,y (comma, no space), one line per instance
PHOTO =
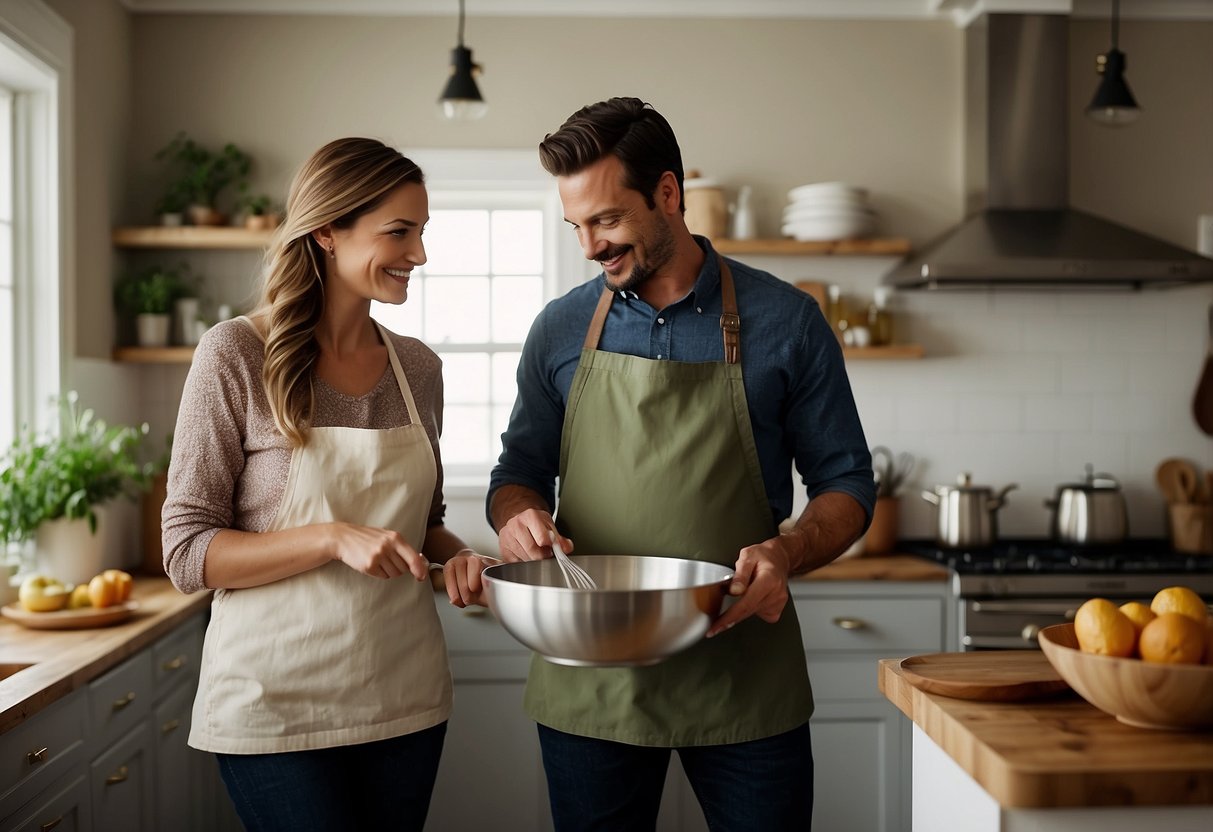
574,576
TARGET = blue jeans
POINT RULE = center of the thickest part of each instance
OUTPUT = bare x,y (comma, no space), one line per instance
375,785
598,785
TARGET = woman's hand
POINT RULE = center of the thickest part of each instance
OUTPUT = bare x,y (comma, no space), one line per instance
380,553
464,585
529,536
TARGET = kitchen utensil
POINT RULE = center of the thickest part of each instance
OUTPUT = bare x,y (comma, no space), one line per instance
1139,693
1022,674
1177,480
966,512
574,576
644,610
891,472
80,619
1202,402
1089,513
1191,527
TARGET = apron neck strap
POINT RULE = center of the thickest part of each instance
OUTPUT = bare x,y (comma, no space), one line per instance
730,323
398,371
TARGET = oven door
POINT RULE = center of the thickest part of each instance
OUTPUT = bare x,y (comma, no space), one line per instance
1011,623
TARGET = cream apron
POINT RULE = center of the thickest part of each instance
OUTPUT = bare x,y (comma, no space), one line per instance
331,656
658,458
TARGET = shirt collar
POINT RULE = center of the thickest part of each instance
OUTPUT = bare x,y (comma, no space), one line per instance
706,284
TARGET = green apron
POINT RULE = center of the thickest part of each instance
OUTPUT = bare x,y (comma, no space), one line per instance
658,458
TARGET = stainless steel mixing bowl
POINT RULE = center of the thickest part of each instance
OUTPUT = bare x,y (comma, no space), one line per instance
645,608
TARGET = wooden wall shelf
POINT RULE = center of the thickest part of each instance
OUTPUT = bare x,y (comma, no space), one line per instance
191,236
154,355
873,247
893,352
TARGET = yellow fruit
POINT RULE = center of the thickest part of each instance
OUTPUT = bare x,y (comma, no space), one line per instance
102,591
1102,628
1182,600
79,597
122,580
1173,638
41,593
1139,614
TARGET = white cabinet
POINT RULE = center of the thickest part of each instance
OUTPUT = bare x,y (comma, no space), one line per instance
861,744
112,755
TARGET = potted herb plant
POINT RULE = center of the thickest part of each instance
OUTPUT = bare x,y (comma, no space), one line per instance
148,294
203,174
259,212
171,205
54,486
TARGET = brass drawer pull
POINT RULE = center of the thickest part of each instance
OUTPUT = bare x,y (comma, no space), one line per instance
118,777
50,824
119,704
175,664
474,612
850,623
35,757
170,726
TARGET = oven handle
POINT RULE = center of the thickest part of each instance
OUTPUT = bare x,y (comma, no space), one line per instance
1015,607
998,643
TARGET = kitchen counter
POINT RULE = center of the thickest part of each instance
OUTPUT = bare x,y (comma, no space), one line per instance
61,661
886,568
1054,753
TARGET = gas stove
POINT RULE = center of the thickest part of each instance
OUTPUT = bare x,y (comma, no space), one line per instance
1041,567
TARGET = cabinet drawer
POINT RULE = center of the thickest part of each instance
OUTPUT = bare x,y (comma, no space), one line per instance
121,699
474,630
120,787
880,624
175,657
64,807
42,749
838,678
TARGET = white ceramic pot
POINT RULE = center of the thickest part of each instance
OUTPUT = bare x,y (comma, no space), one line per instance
152,330
67,550
186,310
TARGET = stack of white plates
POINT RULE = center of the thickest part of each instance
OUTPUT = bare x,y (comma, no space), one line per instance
828,211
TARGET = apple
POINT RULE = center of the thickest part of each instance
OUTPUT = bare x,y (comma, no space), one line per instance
41,593
79,597
102,591
122,580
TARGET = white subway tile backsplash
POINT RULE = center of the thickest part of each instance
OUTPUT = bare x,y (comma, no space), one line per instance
929,413
1052,334
1130,335
991,411
1133,413
1057,413
1094,374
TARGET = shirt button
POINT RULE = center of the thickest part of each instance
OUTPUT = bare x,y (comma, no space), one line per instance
659,356
661,320
699,309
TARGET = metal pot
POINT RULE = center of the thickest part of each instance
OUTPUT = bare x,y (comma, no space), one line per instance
966,512
1090,513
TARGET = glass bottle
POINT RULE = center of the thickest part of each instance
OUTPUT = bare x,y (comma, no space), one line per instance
836,310
880,319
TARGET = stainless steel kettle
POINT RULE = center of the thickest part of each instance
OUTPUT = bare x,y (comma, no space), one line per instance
1090,513
966,512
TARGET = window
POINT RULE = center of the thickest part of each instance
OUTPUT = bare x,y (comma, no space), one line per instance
494,258
8,290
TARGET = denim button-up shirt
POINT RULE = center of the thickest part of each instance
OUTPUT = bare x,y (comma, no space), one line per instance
801,407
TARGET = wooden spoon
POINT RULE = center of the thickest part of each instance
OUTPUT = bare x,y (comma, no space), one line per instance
1177,479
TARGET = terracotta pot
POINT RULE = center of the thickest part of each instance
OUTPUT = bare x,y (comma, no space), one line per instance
881,536
206,215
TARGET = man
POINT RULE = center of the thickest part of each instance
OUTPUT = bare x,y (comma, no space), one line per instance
671,396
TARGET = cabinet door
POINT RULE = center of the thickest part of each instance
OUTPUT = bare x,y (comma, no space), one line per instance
859,761
178,789
121,785
63,807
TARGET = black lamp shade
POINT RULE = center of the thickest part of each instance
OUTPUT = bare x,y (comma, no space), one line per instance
461,97
1113,102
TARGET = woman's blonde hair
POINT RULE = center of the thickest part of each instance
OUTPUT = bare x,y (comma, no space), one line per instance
342,181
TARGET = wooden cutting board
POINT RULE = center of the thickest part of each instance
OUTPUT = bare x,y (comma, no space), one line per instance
1013,676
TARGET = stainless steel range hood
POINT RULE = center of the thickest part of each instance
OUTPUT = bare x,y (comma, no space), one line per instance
1022,232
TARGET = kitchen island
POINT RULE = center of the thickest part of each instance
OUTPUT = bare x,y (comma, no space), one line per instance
1046,765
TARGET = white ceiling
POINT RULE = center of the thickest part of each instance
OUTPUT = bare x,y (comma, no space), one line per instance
960,11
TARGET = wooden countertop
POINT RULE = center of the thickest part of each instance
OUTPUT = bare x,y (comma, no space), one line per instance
886,568
1057,752
64,660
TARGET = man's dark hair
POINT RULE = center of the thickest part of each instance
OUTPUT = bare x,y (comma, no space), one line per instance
626,128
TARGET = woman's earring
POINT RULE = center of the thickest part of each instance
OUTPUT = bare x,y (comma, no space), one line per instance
332,253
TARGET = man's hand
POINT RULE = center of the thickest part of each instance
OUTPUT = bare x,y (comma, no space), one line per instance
760,578
530,535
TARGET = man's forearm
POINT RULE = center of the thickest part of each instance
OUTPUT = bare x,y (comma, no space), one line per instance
511,500
829,524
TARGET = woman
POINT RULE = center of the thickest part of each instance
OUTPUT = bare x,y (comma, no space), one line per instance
305,486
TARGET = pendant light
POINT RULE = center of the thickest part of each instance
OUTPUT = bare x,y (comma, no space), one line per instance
1113,103
461,97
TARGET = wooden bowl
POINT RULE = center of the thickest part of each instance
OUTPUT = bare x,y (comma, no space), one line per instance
1136,692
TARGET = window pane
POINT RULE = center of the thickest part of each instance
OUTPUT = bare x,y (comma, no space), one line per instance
505,377
501,420
457,242
465,378
465,434
517,242
456,310
8,379
6,155
516,302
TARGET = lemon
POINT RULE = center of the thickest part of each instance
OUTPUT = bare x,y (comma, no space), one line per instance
1182,600
1102,628
1173,638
